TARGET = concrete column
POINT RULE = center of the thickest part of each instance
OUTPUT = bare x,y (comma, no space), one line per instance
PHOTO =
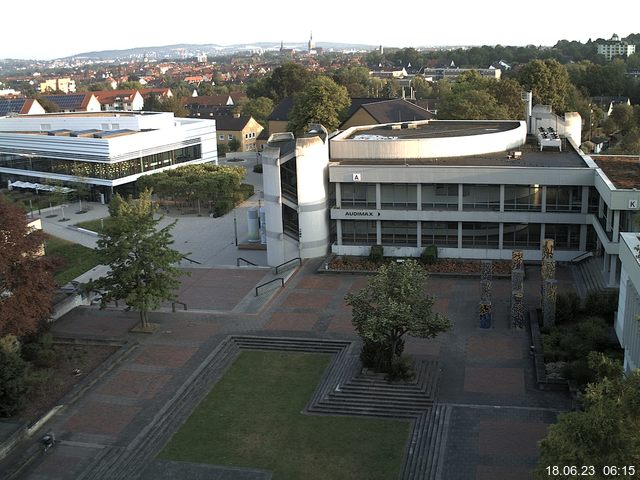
616,225
613,271
419,233
339,232
583,238
378,197
338,195
500,235
543,201
501,199
378,232
459,234
460,196
584,207
419,197
600,207
605,263
542,235
609,219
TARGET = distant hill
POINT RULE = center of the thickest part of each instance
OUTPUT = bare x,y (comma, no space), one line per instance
174,51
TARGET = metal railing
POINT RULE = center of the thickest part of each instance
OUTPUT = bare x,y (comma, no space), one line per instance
173,305
245,261
184,257
287,263
279,279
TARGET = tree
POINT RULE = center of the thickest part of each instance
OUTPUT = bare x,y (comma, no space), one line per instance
174,104
13,386
622,114
143,269
354,79
392,305
259,108
234,144
48,105
322,101
288,80
223,149
606,433
549,82
26,280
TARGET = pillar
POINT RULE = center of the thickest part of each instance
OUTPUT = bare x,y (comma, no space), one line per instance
549,295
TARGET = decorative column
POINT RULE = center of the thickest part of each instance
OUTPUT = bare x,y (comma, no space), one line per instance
549,286
517,289
486,274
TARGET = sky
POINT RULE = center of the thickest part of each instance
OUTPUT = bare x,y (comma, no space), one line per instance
53,32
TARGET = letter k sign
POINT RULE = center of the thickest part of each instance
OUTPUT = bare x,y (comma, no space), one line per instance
633,203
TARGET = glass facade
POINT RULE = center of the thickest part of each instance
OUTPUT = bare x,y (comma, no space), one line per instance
361,195
356,232
521,235
399,196
481,197
483,235
440,196
442,234
522,198
564,199
566,237
399,233
101,170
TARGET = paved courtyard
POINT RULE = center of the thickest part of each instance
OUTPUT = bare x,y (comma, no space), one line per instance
497,416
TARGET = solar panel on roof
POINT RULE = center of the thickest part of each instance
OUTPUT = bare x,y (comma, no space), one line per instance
13,105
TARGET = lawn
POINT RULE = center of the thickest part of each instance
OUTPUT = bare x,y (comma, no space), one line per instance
253,418
77,258
94,225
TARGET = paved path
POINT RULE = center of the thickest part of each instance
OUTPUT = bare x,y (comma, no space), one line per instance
497,413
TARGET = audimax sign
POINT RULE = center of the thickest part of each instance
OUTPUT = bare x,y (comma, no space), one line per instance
360,213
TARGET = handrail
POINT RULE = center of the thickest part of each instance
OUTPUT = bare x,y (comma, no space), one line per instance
287,262
270,281
581,257
245,261
173,305
190,260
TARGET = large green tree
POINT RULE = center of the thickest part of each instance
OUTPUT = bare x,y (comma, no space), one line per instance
143,271
259,108
322,101
393,304
606,433
549,82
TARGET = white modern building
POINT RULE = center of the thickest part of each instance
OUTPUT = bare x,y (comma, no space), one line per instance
614,47
107,150
627,324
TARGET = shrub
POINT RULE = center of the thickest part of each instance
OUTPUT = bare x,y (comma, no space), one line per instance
567,308
377,253
257,168
401,370
246,191
567,343
13,386
41,351
579,372
429,255
602,304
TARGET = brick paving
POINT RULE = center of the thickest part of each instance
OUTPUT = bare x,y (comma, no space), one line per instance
497,413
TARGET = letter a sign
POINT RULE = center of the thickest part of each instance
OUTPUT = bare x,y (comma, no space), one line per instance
357,177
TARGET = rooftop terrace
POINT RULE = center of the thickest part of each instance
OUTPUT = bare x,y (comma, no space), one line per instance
432,129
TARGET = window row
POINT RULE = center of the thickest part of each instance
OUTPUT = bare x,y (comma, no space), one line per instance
102,170
474,197
474,234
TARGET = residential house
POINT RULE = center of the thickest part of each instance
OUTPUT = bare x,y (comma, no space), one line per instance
65,85
75,102
614,47
20,106
120,100
375,111
242,128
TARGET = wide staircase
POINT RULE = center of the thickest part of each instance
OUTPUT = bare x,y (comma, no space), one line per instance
588,276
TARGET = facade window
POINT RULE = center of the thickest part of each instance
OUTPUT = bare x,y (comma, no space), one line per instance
399,233
102,170
440,196
358,232
481,197
483,235
521,235
566,237
594,200
564,199
361,195
230,137
221,136
399,196
441,234
522,198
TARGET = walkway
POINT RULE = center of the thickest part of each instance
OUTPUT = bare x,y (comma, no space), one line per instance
497,414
